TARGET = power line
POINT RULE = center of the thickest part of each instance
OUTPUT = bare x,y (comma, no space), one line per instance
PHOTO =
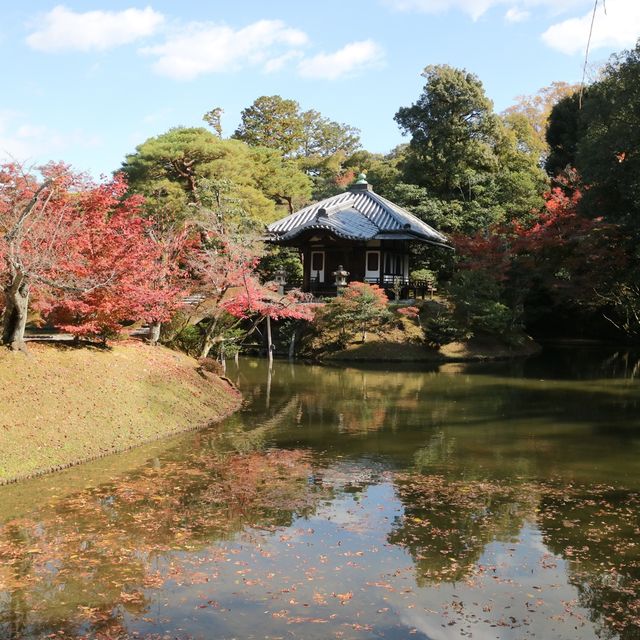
586,53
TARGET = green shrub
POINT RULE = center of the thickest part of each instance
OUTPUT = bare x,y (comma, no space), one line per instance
442,329
183,336
281,258
478,305
360,307
424,275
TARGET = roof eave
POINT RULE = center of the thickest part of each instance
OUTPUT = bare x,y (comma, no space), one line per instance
410,234
434,241
291,238
295,233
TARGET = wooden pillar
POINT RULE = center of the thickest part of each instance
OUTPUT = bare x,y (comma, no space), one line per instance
306,267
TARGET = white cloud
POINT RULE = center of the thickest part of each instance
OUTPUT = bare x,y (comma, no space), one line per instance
618,28
65,30
27,142
190,50
275,64
201,48
477,8
344,62
514,14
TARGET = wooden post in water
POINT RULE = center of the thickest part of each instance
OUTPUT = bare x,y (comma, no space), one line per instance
269,342
292,346
268,395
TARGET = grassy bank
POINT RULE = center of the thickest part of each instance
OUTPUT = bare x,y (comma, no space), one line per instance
62,405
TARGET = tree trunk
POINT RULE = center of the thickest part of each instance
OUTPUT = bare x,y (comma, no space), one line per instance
154,332
207,343
209,338
14,319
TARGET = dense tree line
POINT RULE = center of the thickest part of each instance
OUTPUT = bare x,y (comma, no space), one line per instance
90,258
596,133
542,202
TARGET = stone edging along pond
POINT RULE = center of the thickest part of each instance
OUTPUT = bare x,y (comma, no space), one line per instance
62,406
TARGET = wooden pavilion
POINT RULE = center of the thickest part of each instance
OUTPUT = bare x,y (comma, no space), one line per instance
360,231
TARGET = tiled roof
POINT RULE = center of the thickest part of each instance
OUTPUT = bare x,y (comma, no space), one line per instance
357,215
349,224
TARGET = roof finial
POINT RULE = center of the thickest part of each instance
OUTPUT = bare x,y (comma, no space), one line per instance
360,184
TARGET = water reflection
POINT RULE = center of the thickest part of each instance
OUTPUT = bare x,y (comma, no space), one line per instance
349,503
447,524
78,564
596,531
477,421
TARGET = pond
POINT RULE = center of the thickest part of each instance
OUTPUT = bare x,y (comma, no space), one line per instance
468,501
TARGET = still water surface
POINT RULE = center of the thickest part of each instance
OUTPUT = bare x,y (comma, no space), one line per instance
484,501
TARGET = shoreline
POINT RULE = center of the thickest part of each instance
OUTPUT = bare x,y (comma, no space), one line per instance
4,482
474,350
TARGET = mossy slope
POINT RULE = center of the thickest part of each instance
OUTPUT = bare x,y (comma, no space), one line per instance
60,405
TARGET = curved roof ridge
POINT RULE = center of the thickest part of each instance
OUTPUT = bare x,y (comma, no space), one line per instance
346,223
304,215
399,213
361,214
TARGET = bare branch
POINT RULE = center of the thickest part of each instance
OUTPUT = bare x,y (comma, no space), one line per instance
11,235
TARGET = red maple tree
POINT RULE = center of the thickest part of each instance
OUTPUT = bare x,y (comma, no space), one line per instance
254,300
220,265
113,248
82,251
36,224
565,253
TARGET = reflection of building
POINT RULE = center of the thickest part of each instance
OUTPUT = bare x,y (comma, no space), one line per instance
363,232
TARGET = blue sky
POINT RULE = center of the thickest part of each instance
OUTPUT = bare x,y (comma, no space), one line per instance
85,82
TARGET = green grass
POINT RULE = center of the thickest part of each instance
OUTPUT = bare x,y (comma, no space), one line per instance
63,405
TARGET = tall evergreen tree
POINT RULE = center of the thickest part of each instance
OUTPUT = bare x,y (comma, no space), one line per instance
608,150
598,134
317,144
175,169
465,166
